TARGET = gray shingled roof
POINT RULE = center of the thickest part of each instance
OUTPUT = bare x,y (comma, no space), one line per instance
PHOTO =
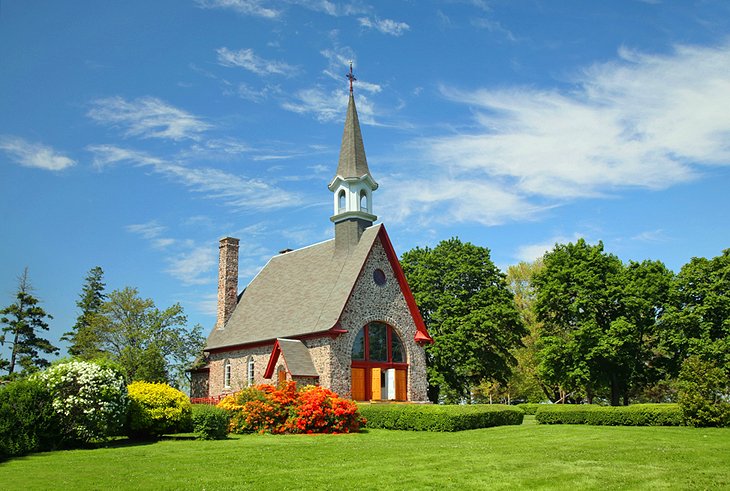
297,357
296,293
353,162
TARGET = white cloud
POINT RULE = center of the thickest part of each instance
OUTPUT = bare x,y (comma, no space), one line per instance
530,252
194,267
386,26
246,58
244,7
236,191
147,117
328,106
641,121
152,231
32,154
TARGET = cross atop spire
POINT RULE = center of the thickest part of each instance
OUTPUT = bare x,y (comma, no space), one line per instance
350,77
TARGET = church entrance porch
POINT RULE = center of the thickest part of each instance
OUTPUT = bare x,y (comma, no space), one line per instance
379,368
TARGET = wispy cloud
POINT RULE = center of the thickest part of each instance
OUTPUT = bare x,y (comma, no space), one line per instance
147,117
246,58
245,7
33,154
642,121
530,252
386,26
195,266
327,106
153,232
235,191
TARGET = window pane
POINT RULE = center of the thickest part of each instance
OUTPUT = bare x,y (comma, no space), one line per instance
396,348
378,337
358,347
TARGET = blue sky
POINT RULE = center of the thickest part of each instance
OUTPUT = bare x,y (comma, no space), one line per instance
133,135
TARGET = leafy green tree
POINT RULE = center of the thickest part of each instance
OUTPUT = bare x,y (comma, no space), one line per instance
469,312
23,319
146,343
83,338
525,384
577,301
697,321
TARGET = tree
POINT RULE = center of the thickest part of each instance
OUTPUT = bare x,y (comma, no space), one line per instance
22,320
469,312
525,383
697,321
83,338
577,301
147,343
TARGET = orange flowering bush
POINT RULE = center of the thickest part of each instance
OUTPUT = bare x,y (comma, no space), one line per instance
268,409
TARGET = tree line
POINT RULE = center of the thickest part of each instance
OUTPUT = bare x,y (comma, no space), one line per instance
577,325
143,342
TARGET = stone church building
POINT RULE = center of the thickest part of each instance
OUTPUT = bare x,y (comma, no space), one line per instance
339,313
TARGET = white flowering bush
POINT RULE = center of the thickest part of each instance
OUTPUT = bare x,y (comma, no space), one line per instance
91,400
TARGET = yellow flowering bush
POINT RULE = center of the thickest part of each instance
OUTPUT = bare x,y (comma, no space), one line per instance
156,409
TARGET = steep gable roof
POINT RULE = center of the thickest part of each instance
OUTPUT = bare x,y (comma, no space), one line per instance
304,292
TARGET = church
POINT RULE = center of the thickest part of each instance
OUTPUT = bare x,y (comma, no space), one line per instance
338,313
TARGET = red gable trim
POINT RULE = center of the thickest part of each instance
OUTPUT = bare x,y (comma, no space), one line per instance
421,331
272,360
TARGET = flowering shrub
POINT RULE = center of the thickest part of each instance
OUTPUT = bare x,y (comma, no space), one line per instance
90,400
156,409
267,409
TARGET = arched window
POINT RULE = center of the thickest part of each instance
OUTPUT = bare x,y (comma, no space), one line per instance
250,371
363,200
341,201
227,374
379,365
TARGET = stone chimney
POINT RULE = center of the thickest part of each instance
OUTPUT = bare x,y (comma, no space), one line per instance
227,279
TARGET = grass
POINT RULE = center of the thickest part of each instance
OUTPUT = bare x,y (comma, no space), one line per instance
529,456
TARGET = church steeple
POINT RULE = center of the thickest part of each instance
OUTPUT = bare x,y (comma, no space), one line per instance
352,185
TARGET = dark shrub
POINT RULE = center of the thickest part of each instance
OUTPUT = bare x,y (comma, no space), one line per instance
210,422
634,415
703,393
28,422
427,417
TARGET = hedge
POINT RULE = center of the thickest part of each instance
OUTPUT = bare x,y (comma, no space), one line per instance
427,417
634,415
28,422
529,407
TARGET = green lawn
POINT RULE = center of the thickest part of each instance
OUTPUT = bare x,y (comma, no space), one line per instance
528,457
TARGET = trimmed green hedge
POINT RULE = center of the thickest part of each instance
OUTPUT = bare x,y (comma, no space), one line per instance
428,417
529,407
210,422
634,415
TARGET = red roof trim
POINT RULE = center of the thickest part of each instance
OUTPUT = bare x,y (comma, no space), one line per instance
273,358
422,335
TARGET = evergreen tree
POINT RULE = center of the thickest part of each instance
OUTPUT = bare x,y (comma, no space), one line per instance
22,320
83,338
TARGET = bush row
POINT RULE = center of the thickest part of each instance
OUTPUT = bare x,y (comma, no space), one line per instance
634,415
74,403
529,407
427,417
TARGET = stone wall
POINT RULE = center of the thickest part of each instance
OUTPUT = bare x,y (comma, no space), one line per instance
199,384
239,369
372,302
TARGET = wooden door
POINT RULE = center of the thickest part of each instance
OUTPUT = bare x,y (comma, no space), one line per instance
401,385
281,375
375,384
358,384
